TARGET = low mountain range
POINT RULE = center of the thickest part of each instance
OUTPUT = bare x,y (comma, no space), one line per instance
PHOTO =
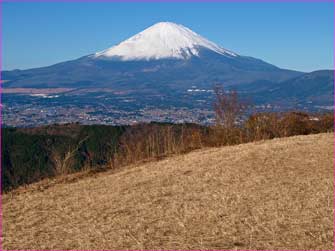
168,57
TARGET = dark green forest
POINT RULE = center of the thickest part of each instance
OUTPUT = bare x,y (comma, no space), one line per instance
32,154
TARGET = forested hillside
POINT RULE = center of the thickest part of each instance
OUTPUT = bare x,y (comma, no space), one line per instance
31,154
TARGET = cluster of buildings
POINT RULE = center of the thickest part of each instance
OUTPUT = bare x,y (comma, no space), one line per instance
30,115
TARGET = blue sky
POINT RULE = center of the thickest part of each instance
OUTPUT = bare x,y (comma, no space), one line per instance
296,35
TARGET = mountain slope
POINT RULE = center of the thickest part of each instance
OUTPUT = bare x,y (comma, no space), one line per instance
264,195
317,84
165,55
315,87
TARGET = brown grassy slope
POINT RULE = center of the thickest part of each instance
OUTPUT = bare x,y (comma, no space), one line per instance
275,194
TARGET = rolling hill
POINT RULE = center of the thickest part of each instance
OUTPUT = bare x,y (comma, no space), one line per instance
263,195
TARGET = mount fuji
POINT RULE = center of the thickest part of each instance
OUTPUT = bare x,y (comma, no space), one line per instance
165,56
162,40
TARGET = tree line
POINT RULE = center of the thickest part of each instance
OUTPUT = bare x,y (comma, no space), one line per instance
32,154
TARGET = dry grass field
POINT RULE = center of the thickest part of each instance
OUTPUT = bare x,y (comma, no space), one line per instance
275,194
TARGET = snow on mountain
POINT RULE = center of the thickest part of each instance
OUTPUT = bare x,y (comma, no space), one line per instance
162,40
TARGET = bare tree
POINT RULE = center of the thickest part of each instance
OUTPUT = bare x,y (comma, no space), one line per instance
62,165
227,106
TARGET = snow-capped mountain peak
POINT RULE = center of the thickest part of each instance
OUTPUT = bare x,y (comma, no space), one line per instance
162,40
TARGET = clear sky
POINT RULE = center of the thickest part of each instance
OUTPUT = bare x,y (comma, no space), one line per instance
296,35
